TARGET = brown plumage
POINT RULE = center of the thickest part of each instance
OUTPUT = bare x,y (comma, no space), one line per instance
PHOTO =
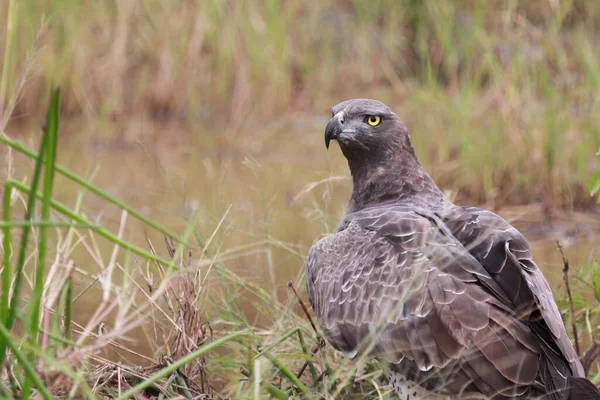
446,296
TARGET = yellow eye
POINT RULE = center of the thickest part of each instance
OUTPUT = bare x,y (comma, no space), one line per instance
373,120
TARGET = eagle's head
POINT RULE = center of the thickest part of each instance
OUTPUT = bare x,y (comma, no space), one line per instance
366,128
380,155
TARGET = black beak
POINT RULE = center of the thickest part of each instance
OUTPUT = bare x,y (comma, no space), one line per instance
333,129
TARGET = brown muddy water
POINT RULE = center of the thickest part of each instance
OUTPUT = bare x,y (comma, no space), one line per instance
270,196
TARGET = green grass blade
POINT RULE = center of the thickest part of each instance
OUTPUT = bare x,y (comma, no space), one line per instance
11,30
64,210
178,364
274,391
595,183
35,302
52,122
288,374
97,191
25,364
7,254
311,366
62,316
54,224
66,300
11,309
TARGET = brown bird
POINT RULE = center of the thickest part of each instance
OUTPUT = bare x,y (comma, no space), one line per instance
447,297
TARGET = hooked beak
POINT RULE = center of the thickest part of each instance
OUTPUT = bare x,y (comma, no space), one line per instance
333,128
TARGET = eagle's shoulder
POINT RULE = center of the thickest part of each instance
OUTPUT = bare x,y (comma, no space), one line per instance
363,235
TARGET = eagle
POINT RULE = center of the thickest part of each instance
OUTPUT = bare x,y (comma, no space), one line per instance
447,297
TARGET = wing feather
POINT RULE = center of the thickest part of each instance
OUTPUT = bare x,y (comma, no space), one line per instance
505,254
392,283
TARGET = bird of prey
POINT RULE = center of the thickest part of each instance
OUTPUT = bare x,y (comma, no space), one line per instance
447,297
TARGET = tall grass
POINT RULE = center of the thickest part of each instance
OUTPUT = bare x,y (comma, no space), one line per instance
223,60
469,78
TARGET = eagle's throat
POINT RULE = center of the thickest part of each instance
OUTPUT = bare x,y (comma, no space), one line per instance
394,178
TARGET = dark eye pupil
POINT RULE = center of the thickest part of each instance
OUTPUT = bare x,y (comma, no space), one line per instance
372,119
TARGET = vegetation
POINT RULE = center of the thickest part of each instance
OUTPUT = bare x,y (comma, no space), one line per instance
501,98
595,182
520,77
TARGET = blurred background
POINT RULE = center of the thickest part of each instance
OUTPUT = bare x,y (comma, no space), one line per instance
220,106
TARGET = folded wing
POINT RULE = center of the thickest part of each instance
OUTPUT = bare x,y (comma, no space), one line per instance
395,283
